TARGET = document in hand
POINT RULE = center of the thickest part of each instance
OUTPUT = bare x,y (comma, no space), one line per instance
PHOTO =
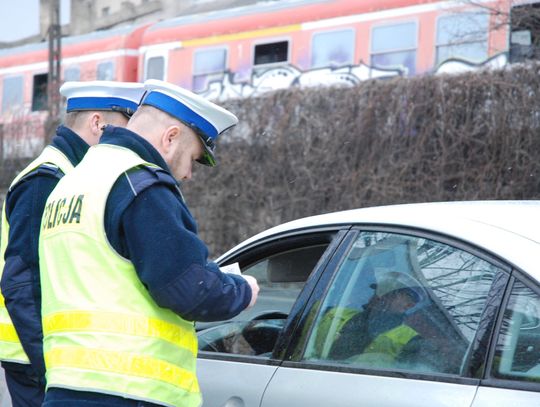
231,268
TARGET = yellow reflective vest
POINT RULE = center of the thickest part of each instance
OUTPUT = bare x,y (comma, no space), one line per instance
392,342
11,349
384,350
103,332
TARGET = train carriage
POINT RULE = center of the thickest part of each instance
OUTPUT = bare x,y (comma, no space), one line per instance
247,50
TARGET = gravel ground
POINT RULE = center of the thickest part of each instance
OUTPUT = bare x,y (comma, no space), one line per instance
5,400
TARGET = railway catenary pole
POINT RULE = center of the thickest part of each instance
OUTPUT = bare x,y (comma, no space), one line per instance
55,63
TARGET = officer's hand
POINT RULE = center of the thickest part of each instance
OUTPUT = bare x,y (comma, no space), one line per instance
254,289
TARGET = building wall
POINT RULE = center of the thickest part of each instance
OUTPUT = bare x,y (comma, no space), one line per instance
92,15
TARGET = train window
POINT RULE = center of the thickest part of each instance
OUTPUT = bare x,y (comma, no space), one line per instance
39,92
73,73
394,46
155,68
105,71
271,53
12,93
525,35
209,65
462,36
332,48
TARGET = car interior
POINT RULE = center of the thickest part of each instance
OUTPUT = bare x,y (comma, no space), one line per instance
518,347
437,333
281,270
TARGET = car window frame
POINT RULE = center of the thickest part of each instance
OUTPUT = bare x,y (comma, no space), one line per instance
497,382
292,356
264,248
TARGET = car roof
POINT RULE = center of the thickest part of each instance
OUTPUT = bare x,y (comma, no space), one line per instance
510,230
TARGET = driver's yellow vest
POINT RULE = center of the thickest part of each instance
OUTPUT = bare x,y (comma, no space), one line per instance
392,342
11,349
103,332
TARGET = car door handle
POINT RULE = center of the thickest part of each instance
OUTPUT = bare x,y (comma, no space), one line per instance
234,402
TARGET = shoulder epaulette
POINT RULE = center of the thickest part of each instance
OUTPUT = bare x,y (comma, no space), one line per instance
47,169
144,176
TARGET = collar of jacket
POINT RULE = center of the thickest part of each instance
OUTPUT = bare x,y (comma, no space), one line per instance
69,143
126,138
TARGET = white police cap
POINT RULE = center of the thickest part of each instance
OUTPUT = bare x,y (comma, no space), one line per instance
207,119
123,97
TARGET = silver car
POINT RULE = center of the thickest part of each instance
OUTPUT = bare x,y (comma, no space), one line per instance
419,305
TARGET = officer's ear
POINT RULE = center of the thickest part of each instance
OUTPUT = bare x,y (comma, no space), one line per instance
170,138
95,122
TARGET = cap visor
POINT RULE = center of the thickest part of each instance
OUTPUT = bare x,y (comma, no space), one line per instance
207,159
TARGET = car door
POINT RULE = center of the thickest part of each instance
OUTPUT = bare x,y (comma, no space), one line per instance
514,374
236,358
403,320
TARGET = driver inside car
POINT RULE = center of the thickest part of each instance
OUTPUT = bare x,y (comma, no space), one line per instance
382,333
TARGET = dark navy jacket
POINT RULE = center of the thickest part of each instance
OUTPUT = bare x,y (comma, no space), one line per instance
20,279
147,221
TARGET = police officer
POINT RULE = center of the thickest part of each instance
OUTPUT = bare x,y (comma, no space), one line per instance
90,106
124,272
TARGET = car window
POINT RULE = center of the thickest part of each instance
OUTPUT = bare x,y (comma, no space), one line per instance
403,302
517,354
281,275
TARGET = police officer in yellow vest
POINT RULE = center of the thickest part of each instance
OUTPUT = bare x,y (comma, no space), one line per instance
90,106
124,273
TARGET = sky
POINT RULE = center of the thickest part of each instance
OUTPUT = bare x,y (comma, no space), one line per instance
20,18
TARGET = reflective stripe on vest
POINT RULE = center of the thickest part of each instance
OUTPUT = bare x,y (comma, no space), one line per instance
103,332
10,346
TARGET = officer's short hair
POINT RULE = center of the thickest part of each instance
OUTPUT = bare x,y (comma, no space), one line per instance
76,118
